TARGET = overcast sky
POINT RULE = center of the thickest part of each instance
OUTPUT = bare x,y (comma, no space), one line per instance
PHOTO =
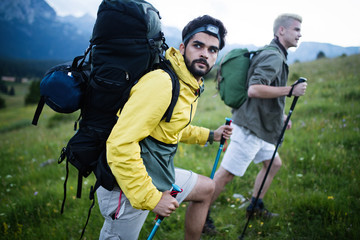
250,22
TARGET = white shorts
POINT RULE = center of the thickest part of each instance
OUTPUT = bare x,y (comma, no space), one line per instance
244,148
129,220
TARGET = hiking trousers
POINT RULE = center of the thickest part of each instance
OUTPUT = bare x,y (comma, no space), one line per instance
122,221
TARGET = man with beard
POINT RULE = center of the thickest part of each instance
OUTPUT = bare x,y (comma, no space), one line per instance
141,146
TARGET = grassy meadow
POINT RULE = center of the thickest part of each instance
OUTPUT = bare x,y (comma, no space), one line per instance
316,192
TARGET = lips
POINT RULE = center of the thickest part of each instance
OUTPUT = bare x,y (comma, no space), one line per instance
203,62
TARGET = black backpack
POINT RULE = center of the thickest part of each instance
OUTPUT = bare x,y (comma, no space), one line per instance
127,42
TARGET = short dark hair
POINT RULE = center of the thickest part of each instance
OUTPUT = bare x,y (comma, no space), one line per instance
202,21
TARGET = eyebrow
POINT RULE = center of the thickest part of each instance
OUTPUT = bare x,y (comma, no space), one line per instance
203,44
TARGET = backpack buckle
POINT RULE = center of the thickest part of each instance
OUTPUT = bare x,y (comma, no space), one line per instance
62,155
152,43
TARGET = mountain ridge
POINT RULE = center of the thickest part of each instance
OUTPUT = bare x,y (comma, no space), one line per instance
31,29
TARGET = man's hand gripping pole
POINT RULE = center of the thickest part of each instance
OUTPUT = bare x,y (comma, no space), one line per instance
174,192
222,142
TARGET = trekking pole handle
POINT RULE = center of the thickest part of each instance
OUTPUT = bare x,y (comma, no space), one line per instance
300,80
174,192
227,122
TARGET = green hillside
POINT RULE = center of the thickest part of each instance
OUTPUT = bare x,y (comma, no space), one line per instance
316,192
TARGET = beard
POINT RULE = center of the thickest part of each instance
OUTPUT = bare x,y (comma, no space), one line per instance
197,72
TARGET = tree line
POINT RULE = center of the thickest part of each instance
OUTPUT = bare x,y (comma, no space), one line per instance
25,68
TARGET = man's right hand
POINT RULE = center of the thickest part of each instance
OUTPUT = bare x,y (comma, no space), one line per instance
166,205
299,89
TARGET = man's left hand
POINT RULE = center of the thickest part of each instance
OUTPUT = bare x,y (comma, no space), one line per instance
224,130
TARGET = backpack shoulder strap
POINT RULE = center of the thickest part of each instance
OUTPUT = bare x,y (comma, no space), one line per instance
251,54
267,47
175,94
271,48
38,111
166,66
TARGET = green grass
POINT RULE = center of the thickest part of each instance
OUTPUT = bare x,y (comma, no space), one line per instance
316,192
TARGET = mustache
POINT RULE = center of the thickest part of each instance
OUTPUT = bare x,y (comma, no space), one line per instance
201,60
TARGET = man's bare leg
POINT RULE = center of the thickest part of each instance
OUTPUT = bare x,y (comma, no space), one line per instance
221,178
260,177
200,199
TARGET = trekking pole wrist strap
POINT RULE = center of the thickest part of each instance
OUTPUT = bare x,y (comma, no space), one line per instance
300,80
291,90
211,137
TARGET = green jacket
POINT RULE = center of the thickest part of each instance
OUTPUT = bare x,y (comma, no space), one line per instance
264,117
141,118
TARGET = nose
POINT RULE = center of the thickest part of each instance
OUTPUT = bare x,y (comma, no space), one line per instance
204,53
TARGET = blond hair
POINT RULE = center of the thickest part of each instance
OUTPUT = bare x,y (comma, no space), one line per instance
285,20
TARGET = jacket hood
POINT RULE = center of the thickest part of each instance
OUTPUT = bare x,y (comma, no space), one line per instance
178,63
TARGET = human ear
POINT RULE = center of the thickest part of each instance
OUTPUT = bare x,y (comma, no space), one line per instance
182,48
282,30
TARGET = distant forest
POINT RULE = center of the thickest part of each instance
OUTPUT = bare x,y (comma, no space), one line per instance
25,68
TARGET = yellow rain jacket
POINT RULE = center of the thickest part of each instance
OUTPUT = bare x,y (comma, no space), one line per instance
141,120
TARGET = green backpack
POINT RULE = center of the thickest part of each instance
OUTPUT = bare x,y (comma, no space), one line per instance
232,75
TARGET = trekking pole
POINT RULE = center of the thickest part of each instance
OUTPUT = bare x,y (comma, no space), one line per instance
222,141
176,189
280,140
